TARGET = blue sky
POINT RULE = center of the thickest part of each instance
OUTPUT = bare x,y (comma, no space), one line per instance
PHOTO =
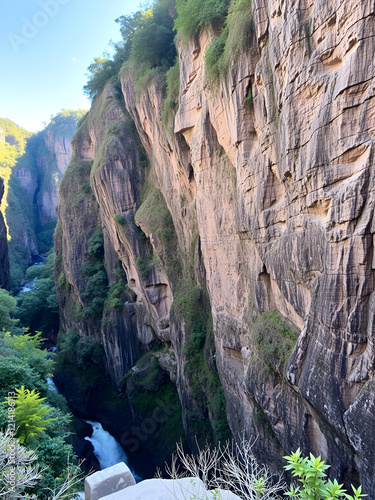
45,49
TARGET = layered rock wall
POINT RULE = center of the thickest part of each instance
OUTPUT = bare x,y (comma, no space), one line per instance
272,208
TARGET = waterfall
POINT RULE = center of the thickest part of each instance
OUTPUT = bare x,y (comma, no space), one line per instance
52,386
106,449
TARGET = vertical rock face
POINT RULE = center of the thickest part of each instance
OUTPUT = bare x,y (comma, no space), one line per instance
4,258
51,166
51,157
272,207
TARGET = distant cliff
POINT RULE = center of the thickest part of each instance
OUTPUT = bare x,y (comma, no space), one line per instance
4,257
246,233
32,166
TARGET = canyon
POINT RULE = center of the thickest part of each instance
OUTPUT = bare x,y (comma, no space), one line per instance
245,231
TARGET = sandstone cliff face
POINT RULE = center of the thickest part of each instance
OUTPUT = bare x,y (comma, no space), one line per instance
51,168
4,258
52,157
272,208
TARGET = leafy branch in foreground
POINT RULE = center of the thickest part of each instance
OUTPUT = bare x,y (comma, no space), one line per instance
315,486
30,414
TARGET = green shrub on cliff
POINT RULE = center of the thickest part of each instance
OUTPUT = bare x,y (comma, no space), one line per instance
275,340
171,100
96,287
195,14
147,43
235,38
100,71
116,291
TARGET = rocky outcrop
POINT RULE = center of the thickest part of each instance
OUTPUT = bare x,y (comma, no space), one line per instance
4,258
270,208
150,489
111,483
108,481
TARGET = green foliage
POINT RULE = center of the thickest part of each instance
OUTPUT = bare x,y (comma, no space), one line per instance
274,340
152,41
21,221
45,271
311,473
30,414
62,281
80,352
86,187
89,268
44,236
96,287
143,266
147,43
115,297
28,348
38,307
14,372
67,346
234,39
65,122
195,14
171,100
100,71
215,63
119,219
192,305
96,244
248,101
54,455
88,351
155,399
42,427
240,26
8,305
154,215
144,75
14,134
95,293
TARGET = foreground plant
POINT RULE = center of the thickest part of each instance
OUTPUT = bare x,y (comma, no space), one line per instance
228,467
236,469
315,486
20,472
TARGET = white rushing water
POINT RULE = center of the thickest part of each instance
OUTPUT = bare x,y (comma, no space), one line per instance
51,386
106,449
